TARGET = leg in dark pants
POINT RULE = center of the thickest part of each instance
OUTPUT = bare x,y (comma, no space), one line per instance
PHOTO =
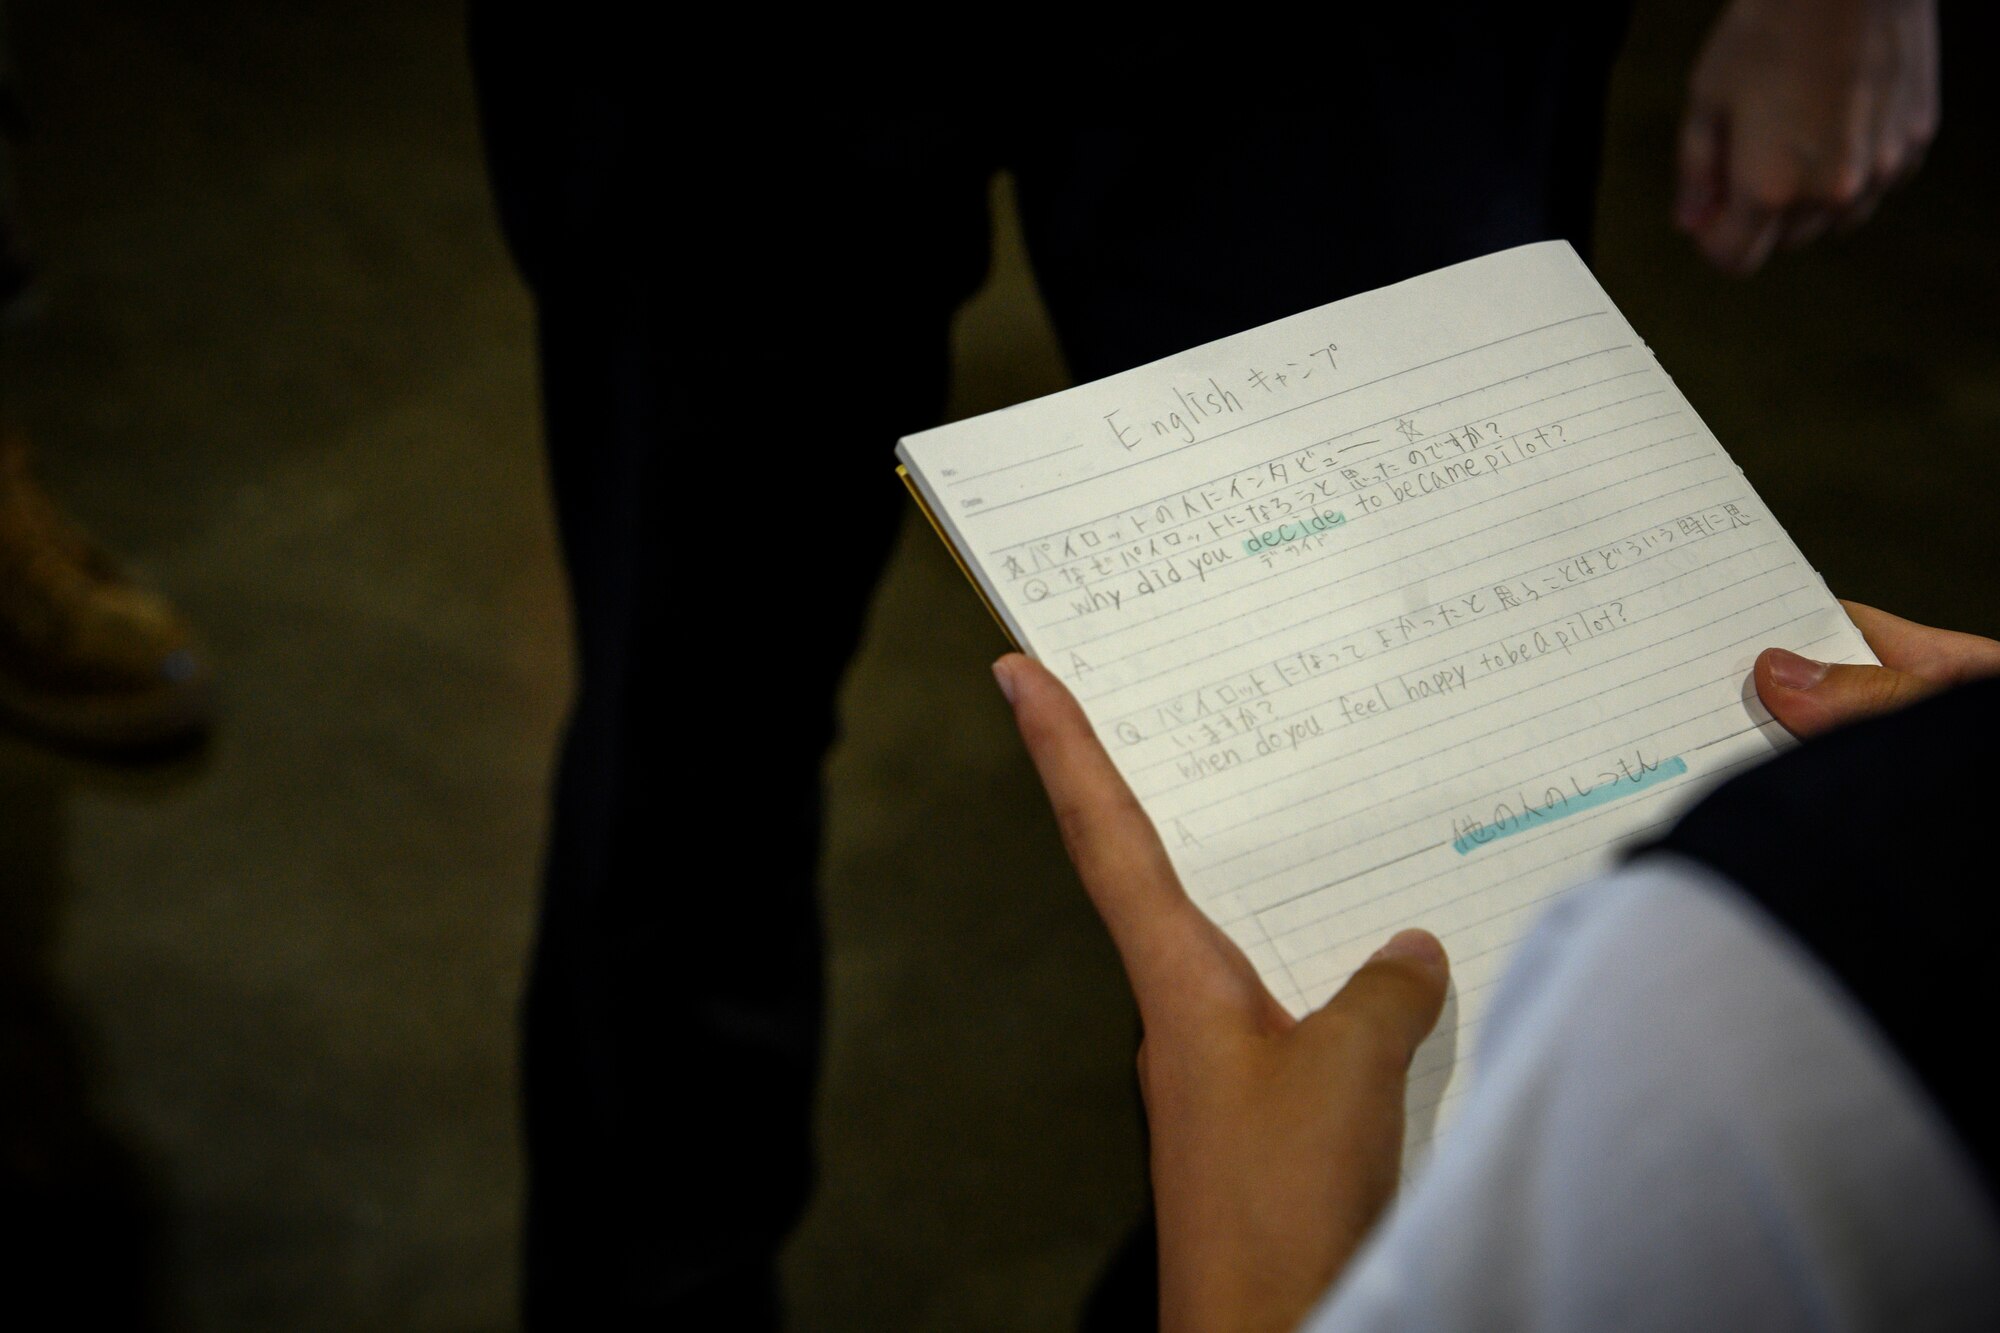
734,329
724,381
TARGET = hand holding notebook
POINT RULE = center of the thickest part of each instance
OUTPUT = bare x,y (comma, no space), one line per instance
1405,611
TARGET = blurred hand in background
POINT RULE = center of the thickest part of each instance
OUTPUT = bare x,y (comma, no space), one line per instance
1801,115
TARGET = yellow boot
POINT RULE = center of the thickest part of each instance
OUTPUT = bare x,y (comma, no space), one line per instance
87,658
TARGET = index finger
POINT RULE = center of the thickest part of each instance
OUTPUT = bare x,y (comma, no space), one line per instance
1110,838
1941,656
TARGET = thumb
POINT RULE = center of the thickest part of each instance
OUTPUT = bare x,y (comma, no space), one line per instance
1393,1002
1811,697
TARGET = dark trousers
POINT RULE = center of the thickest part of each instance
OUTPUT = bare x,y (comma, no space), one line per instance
742,305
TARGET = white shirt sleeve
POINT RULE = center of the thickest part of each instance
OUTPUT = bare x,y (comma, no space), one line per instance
1679,1120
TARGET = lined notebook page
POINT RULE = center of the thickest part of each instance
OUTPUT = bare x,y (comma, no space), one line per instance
1405,611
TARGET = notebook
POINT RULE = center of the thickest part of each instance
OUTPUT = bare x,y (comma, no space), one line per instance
1409,610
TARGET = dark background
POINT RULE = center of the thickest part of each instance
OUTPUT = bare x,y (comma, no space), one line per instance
256,1046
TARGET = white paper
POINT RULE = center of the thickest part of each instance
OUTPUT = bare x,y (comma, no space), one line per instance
1406,611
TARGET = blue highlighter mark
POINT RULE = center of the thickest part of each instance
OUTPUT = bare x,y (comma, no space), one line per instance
1310,526
1602,794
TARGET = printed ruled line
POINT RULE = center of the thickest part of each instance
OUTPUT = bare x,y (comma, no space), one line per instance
1283,966
1303,864
1323,885
999,553
1463,961
1539,685
1426,818
1279,719
1345,547
1655,498
1514,872
1730,706
1100,519
1194,547
1315,402
1318,923
1441,721
1009,467
1622,787
1061,596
